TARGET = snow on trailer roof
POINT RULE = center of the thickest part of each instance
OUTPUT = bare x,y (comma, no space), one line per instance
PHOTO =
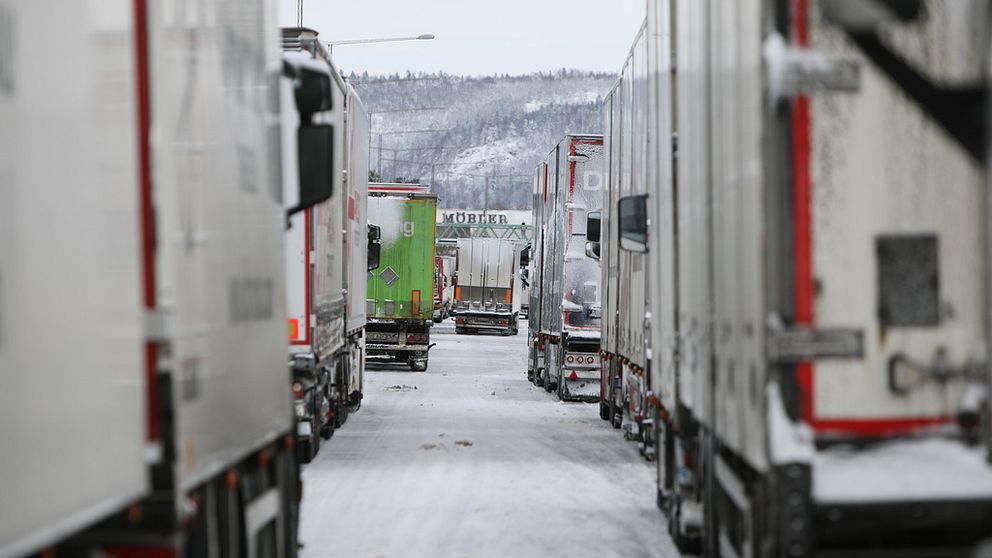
922,469
399,187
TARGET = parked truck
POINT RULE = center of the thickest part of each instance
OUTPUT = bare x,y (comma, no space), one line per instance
817,260
400,301
487,294
444,287
326,257
624,378
570,182
144,393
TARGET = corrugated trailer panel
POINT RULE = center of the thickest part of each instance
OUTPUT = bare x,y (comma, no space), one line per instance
551,293
661,206
897,224
356,210
693,215
327,230
71,321
738,246
582,276
220,226
406,269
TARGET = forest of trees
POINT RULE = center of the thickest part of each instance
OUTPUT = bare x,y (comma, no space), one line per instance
466,132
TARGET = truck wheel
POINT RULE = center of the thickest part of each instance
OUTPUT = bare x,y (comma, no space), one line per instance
562,389
604,411
438,319
539,377
418,365
616,416
548,386
530,375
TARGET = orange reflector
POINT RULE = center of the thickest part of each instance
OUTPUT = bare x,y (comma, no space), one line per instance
573,376
231,479
458,293
294,328
415,301
509,296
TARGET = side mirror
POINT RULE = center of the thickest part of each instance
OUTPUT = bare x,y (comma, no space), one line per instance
592,250
314,142
633,214
311,90
525,257
593,223
315,146
375,248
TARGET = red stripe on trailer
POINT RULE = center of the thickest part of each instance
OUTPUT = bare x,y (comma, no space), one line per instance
140,552
146,211
801,217
802,222
875,427
307,263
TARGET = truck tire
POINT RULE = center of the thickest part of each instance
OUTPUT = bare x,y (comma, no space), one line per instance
548,385
560,387
418,365
539,377
438,319
604,411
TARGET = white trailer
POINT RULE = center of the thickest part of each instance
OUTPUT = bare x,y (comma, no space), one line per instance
571,183
326,250
143,167
487,290
816,274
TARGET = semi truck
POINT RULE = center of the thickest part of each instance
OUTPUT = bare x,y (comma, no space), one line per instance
487,291
816,265
141,280
567,329
400,306
444,287
326,257
624,385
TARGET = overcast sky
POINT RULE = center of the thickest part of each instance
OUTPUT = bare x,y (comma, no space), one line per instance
475,37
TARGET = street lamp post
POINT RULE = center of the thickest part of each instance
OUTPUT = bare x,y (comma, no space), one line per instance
332,44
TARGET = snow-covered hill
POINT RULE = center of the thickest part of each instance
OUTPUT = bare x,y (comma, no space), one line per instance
498,127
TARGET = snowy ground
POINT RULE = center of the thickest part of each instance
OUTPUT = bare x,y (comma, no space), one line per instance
470,459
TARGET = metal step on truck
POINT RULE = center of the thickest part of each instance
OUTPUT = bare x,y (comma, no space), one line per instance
399,303
326,257
487,289
145,405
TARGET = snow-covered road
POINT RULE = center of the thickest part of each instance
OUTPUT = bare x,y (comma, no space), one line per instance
470,459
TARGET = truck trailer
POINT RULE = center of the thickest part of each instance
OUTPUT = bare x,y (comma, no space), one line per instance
400,300
444,287
326,257
487,290
163,349
817,260
566,349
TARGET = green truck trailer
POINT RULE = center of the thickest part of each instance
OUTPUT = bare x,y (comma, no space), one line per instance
400,301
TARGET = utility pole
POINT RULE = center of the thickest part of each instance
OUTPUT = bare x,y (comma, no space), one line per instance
485,209
379,165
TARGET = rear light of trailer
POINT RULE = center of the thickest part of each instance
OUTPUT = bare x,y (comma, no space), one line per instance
459,320
504,322
416,338
570,359
590,359
573,376
297,389
509,296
